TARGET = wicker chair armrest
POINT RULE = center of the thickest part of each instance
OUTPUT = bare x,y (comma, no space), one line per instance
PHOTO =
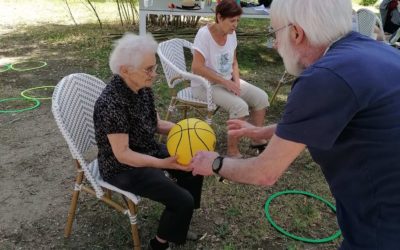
204,82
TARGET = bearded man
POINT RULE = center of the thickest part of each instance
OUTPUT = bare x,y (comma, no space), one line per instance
344,107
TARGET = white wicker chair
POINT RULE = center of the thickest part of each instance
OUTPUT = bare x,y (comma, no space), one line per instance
173,61
73,104
367,20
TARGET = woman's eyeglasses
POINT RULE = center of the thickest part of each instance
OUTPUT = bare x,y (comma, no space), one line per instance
151,70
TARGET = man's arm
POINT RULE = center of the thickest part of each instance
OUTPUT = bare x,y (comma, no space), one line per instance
262,170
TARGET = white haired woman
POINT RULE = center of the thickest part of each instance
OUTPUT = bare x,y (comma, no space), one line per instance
129,157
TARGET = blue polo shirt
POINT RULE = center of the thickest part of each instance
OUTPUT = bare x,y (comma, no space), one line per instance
346,109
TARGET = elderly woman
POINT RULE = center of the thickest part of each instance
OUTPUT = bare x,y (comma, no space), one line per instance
129,156
215,59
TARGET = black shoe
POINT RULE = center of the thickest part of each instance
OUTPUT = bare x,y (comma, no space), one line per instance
260,147
154,244
192,236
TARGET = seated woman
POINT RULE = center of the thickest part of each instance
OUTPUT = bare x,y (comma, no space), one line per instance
129,156
390,13
215,59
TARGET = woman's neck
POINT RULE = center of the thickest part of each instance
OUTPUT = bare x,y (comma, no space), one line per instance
134,86
217,33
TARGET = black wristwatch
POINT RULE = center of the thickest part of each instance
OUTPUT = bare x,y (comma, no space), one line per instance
217,164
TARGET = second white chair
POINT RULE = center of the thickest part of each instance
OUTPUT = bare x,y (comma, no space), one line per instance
172,56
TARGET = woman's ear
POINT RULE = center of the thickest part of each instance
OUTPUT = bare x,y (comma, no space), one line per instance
219,18
123,70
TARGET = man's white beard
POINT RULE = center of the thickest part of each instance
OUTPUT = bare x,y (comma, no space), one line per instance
291,59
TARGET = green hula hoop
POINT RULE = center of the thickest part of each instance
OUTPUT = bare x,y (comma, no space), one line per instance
36,101
281,230
5,67
24,93
42,64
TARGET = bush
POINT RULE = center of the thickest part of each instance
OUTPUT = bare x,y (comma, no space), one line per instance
368,2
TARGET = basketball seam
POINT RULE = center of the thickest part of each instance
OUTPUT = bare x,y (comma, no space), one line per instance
179,141
195,131
182,130
190,142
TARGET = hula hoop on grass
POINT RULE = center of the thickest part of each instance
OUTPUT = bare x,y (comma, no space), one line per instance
24,93
36,101
5,67
283,231
41,65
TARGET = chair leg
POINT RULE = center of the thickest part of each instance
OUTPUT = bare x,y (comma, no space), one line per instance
170,108
134,228
185,111
108,193
281,81
74,201
209,117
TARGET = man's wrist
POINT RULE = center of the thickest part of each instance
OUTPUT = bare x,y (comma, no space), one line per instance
217,164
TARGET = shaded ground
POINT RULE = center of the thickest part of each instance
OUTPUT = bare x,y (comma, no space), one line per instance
37,173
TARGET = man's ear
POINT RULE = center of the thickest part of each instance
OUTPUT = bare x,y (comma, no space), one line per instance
297,34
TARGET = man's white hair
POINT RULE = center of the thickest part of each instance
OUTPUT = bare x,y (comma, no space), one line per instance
323,21
129,50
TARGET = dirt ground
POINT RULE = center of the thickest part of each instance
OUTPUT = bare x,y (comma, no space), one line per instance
35,166
36,170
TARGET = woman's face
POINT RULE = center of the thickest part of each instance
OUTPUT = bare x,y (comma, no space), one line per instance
143,75
229,24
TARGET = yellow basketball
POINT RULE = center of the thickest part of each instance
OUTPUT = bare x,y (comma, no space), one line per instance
188,137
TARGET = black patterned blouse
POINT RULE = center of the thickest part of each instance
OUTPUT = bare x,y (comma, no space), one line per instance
120,110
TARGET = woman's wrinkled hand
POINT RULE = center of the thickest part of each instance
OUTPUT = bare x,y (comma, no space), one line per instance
171,163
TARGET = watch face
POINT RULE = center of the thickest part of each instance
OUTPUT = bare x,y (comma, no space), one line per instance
217,164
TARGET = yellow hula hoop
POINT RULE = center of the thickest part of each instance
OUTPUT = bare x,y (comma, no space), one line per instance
25,95
41,65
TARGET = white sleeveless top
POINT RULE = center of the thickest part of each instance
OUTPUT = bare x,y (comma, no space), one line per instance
218,58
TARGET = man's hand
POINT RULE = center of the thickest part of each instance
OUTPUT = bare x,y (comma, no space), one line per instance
239,128
202,163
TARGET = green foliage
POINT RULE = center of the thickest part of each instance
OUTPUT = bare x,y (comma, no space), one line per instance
222,230
368,2
230,246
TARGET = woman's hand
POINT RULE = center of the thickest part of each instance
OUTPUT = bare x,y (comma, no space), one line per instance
233,86
171,163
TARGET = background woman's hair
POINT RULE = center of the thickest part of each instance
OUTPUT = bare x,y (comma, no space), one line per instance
228,8
129,50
